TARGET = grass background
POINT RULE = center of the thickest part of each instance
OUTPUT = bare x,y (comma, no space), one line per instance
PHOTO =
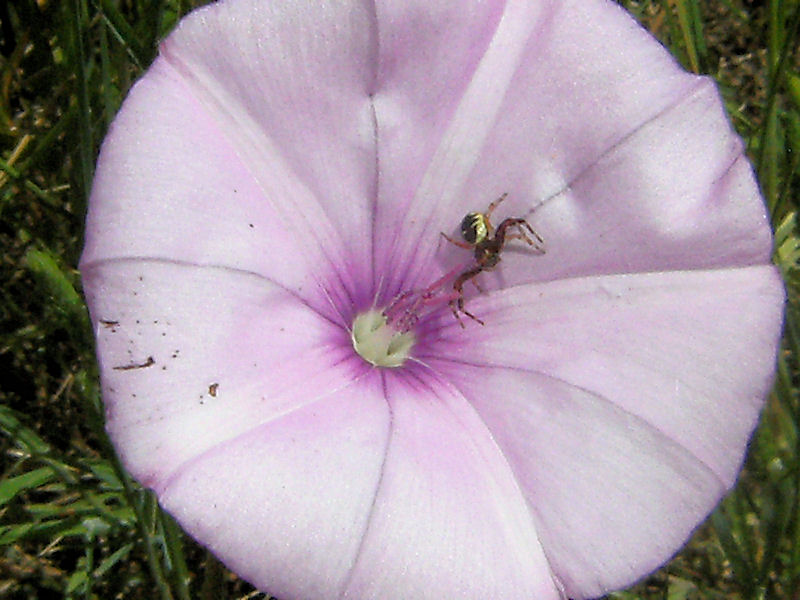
73,525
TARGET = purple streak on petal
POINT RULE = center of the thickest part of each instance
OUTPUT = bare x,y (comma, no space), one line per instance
298,116
286,504
229,351
296,108
448,519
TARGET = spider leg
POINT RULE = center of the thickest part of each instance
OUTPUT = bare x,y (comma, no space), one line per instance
494,205
396,301
530,229
457,303
456,242
470,315
537,244
523,229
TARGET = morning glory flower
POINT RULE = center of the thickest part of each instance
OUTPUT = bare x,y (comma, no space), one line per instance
274,304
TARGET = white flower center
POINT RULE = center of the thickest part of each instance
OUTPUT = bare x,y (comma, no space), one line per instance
379,343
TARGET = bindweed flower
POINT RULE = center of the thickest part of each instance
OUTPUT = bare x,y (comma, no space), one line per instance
274,299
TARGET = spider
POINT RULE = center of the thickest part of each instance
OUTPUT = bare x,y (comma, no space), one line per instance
487,242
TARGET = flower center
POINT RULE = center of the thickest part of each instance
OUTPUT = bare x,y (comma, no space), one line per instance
379,343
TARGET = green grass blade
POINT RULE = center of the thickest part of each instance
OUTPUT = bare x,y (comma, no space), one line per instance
45,267
121,29
11,487
173,545
116,558
687,30
85,151
740,560
22,436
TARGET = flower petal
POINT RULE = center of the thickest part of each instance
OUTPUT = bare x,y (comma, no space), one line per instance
448,520
628,161
544,102
286,505
424,160
256,151
626,406
344,498
677,193
589,469
191,357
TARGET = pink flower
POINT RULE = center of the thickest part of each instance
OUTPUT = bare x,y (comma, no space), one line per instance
284,170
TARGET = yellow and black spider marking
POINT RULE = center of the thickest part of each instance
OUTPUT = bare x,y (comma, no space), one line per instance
475,227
